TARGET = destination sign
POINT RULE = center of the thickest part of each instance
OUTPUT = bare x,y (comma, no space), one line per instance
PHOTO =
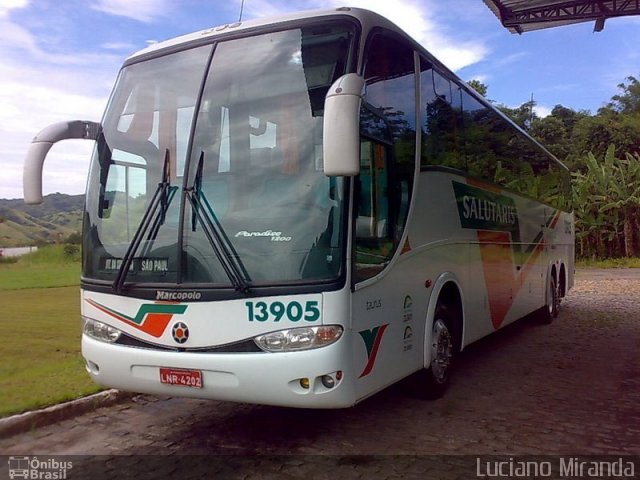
140,264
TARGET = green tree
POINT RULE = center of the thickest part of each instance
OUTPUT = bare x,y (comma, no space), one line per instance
606,201
627,102
617,124
479,87
596,134
568,116
594,230
555,133
623,198
551,132
524,115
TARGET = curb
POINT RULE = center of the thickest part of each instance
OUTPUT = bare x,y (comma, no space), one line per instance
27,421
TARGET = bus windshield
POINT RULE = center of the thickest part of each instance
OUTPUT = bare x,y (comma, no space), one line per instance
208,169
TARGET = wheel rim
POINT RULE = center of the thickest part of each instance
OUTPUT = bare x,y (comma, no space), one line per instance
441,351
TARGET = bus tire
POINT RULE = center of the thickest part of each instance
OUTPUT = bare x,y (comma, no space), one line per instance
436,376
552,305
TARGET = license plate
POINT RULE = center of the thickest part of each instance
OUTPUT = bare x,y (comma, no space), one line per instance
181,377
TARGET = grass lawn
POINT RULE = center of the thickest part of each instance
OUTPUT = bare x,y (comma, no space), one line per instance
20,276
41,362
50,266
609,263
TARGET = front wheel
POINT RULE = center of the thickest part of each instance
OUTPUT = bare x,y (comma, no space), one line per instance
441,353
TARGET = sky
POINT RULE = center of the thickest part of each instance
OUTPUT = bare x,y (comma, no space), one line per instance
59,60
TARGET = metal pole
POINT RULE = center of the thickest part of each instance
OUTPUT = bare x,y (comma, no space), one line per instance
241,10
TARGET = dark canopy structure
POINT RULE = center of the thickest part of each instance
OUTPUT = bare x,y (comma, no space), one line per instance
526,15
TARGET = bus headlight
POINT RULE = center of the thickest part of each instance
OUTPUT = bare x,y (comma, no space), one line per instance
100,331
303,338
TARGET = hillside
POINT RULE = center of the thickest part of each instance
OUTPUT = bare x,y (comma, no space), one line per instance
55,219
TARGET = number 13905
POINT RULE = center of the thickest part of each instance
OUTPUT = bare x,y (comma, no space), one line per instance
276,311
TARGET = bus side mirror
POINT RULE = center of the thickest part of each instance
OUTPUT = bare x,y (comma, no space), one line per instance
40,146
341,132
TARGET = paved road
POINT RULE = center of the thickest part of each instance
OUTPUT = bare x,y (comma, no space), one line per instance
569,388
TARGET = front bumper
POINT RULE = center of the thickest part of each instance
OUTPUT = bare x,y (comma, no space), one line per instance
261,378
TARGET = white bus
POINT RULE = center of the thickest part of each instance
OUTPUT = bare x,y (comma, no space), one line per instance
302,211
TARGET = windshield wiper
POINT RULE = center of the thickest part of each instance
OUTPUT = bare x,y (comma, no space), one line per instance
166,197
223,248
154,216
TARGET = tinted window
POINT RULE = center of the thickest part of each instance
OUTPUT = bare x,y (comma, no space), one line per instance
441,120
513,160
388,129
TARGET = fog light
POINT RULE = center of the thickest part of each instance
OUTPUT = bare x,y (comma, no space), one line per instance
304,383
328,381
92,367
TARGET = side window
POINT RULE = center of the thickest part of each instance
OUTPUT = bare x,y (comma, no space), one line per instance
442,139
480,140
497,152
388,134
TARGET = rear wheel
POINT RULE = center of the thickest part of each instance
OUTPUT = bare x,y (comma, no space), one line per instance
550,310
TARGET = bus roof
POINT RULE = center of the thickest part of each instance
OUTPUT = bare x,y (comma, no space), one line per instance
365,17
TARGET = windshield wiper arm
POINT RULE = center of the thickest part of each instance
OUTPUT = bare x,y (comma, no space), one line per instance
166,197
217,237
161,200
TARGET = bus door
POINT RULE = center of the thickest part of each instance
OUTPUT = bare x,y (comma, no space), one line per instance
382,196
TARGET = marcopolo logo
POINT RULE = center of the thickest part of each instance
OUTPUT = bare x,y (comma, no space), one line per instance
38,469
177,296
